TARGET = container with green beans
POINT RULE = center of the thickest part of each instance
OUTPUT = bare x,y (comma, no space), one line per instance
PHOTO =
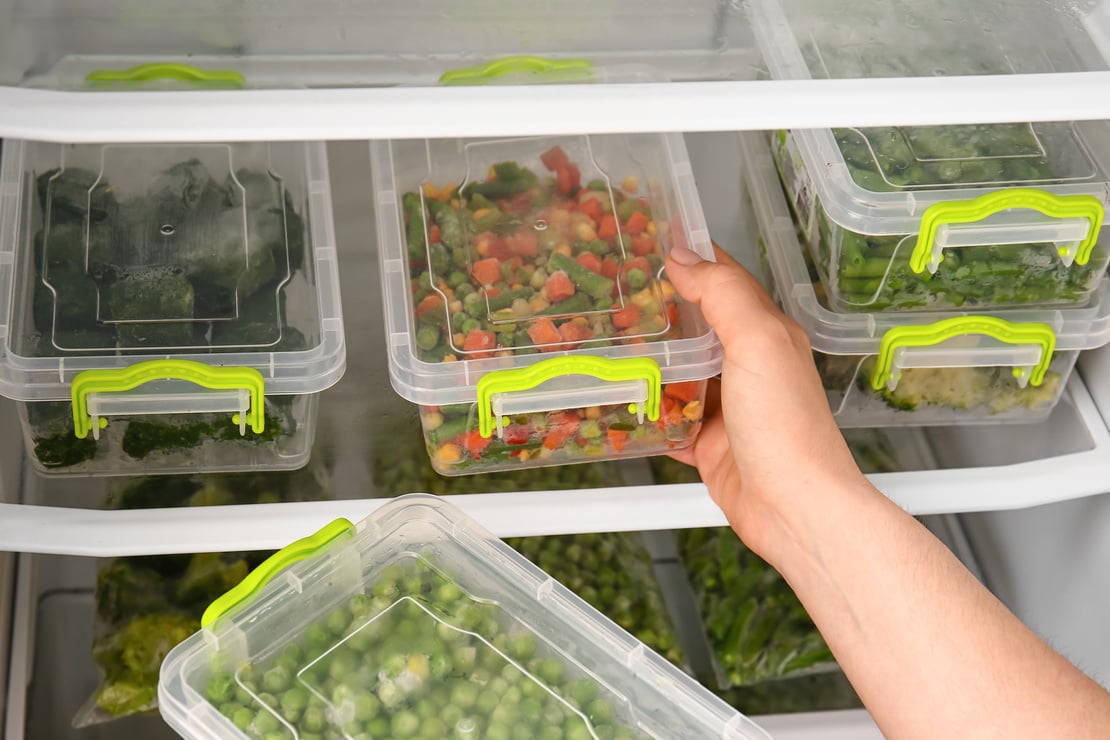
419,624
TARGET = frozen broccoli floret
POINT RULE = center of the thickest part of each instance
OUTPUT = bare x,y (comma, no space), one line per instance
155,306
956,387
208,576
126,587
67,301
185,190
144,437
132,656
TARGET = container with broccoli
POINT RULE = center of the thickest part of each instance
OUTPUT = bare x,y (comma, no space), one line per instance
535,325
419,624
925,368
142,256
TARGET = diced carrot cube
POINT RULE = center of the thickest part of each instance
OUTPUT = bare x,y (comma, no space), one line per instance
554,158
607,227
480,342
558,287
430,303
627,316
636,223
642,245
617,438
476,444
685,391
590,261
591,207
525,244
544,334
610,268
487,271
567,179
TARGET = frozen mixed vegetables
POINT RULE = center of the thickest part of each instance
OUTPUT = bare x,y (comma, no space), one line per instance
522,262
994,390
613,573
414,656
147,605
756,627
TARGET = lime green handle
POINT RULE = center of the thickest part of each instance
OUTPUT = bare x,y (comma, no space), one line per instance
926,255
539,66
603,368
195,76
303,548
117,380
927,335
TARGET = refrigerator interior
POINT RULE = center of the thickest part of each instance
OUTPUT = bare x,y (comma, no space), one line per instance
1022,553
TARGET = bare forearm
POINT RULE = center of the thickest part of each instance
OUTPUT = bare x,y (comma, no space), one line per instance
930,651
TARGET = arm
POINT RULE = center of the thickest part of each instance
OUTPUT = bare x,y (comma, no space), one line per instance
930,651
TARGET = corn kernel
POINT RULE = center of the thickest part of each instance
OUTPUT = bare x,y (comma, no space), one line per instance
455,307
450,358
491,174
448,454
593,412
538,303
668,290
455,203
563,249
481,213
433,421
458,338
580,321
651,229
631,184
523,456
585,232
418,666
692,410
431,192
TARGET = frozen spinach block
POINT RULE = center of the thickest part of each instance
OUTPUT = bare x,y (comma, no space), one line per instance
613,573
179,264
757,628
415,656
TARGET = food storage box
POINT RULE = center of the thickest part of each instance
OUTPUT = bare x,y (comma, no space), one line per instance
922,218
925,368
527,309
418,623
167,308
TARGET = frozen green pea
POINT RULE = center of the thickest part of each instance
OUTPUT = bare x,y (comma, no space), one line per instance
522,646
317,636
277,679
242,718
220,688
404,723
367,706
264,722
314,719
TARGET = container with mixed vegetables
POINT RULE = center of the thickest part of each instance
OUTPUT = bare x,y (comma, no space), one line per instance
865,264
542,256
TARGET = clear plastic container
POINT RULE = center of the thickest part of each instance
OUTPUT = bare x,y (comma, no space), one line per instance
954,367
924,218
168,308
526,307
420,623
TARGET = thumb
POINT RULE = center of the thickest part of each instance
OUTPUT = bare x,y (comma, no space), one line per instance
730,297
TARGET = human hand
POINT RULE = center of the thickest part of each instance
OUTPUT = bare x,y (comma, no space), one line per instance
768,445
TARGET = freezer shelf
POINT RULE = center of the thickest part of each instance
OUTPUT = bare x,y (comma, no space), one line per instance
292,70
1066,457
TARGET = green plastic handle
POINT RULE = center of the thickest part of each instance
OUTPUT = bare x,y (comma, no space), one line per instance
926,255
538,66
927,335
117,380
603,368
195,76
303,548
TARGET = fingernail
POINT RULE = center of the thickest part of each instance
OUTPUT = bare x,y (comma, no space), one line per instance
686,256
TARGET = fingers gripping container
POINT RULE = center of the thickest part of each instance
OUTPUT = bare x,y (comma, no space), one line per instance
882,369
527,309
924,218
418,623
167,308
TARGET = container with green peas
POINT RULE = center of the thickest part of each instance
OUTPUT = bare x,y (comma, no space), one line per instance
419,624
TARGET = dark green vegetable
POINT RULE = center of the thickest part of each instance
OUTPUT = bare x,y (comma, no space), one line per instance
756,626
613,572
63,449
153,308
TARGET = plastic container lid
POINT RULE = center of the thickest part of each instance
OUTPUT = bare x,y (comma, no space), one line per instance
419,621
881,180
519,273
1086,326
127,255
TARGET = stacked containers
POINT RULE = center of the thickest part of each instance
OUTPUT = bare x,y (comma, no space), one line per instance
420,624
922,368
188,293
959,268
912,218
526,307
